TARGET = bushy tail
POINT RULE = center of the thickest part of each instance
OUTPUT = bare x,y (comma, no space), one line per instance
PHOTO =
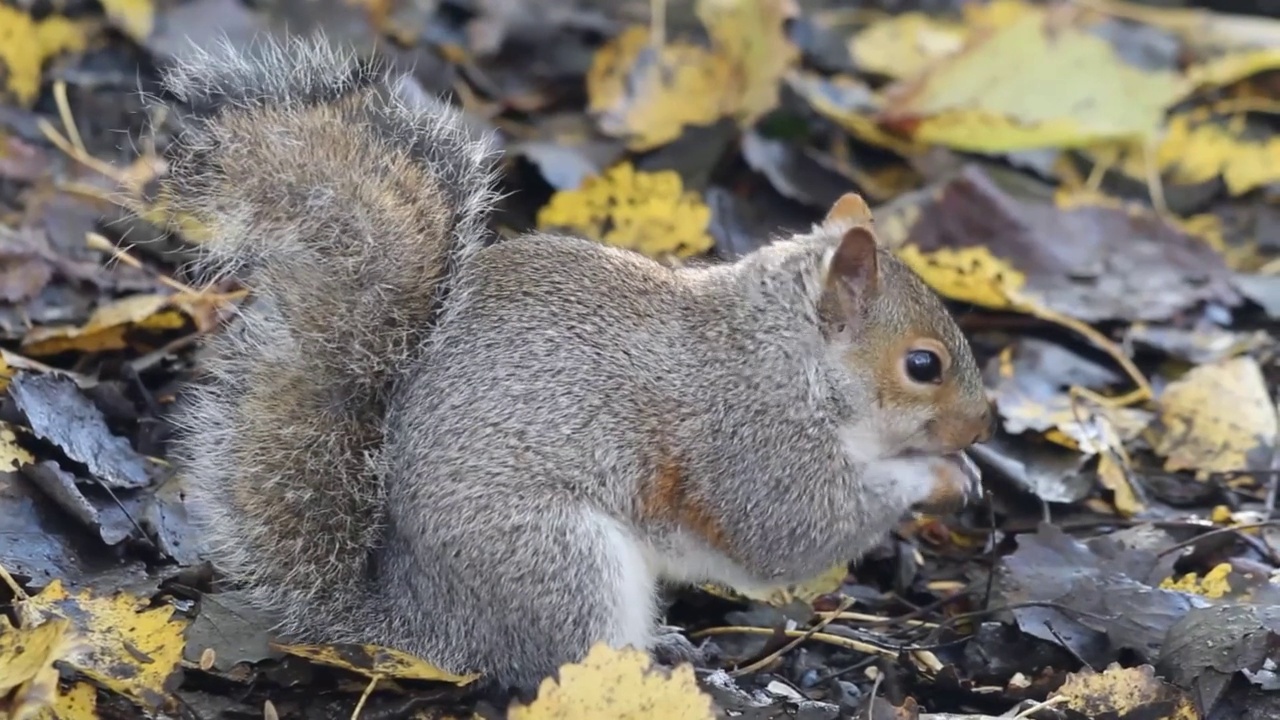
345,203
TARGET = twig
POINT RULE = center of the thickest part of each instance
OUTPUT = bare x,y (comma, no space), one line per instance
368,690
771,657
874,619
18,592
1219,531
846,643
1067,646
1055,700
657,23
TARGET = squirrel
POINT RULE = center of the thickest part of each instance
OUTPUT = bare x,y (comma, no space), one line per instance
491,453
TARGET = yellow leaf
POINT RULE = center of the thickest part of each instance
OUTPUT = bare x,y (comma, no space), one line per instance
1213,585
25,652
135,17
79,702
1118,691
902,46
648,95
992,95
107,326
1217,418
1114,474
751,36
127,648
619,685
848,102
373,661
1233,67
12,455
806,592
1193,149
647,212
25,46
970,274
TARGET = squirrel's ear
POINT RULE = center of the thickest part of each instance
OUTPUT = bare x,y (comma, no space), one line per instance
853,271
850,209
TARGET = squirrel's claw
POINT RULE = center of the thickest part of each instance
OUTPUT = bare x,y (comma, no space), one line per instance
956,482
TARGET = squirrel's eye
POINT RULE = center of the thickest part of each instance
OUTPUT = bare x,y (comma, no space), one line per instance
924,366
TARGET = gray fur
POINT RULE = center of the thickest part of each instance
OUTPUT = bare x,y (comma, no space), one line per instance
498,511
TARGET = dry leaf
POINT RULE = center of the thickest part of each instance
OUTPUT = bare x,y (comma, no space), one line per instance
12,455
647,212
108,327
751,37
991,97
1119,691
1217,418
25,46
620,685
647,95
136,18
373,661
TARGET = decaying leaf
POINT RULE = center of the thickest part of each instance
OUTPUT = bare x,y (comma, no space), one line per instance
618,684
1000,241
1195,147
26,44
1119,691
1108,604
128,648
625,207
372,661
1219,417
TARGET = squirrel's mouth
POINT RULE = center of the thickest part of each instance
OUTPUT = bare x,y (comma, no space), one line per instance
957,481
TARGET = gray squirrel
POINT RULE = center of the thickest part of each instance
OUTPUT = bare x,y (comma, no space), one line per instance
490,453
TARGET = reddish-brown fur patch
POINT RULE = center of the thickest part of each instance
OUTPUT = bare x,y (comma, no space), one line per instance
667,498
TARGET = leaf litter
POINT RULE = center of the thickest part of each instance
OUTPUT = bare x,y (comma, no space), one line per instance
1091,186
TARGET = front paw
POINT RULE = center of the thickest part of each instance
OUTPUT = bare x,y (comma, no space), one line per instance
671,648
954,481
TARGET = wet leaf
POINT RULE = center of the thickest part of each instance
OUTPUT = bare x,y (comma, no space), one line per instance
1218,417
619,684
647,212
1210,645
1104,608
233,630
129,649
57,411
372,661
